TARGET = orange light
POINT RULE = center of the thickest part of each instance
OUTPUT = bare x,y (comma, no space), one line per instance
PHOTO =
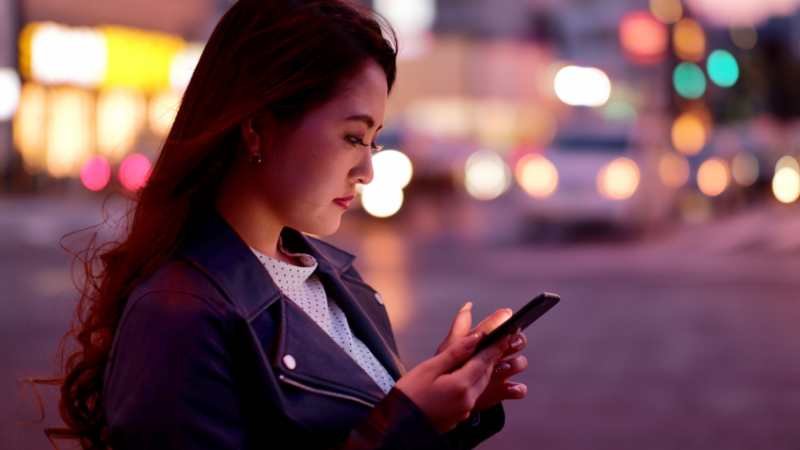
713,177
673,169
644,39
667,11
688,134
689,40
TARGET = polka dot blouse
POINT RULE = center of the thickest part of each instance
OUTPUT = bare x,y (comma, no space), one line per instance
305,289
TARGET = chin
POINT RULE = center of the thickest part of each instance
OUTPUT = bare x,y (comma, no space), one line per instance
323,227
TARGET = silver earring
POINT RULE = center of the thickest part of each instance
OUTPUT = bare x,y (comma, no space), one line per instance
255,158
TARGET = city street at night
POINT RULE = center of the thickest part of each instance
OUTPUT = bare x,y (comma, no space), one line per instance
685,337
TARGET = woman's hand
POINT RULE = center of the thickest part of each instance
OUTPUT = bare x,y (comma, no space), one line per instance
447,398
499,388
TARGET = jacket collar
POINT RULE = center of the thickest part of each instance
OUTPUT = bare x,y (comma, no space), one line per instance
222,255
217,251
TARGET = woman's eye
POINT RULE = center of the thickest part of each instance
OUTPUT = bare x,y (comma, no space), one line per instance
360,141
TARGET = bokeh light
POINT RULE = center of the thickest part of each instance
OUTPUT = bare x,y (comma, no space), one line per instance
391,168
787,161
64,55
486,175
121,115
620,112
182,66
10,88
786,185
689,80
29,127
70,130
667,11
722,68
162,111
133,171
688,134
673,169
381,200
582,86
713,177
618,179
536,125
744,169
536,175
95,173
744,35
689,40
139,59
644,39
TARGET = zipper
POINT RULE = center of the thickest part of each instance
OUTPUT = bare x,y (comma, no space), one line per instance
323,392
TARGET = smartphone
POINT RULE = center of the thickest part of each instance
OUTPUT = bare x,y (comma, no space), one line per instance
521,319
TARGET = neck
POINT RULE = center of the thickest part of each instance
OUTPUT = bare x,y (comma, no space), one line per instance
251,220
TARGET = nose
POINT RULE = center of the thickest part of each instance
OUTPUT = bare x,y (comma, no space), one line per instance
363,173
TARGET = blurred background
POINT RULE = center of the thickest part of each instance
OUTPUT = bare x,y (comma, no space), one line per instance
638,158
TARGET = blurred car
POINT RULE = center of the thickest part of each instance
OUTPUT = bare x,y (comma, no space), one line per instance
592,176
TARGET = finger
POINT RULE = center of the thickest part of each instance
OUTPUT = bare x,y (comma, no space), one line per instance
510,367
516,345
459,329
495,320
454,355
515,391
482,364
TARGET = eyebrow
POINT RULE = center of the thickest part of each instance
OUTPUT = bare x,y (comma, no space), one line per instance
367,119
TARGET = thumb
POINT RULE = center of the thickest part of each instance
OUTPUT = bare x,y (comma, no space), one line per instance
459,329
454,355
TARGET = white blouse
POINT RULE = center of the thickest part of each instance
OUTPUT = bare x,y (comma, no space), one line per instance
305,289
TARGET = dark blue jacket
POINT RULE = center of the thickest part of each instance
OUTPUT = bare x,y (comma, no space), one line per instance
200,360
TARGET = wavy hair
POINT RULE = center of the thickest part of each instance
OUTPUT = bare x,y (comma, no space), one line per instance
277,56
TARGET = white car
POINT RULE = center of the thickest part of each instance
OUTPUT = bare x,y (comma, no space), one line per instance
591,177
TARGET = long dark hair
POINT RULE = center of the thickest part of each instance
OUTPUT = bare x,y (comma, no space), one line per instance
280,56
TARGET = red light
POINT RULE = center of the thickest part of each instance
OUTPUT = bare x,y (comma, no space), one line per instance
95,173
644,39
133,171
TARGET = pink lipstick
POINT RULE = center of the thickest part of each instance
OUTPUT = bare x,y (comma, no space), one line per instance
343,201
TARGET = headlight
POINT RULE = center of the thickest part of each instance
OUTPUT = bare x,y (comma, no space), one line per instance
537,176
618,179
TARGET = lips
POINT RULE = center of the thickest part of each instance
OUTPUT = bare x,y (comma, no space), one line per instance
342,202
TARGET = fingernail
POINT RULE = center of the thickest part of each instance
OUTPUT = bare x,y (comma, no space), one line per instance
516,343
515,390
504,367
473,339
466,307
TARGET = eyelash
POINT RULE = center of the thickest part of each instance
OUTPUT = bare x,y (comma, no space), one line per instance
354,140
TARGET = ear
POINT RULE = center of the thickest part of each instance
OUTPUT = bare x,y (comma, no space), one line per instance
251,137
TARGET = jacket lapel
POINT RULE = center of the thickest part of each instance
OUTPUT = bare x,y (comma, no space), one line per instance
355,300
217,251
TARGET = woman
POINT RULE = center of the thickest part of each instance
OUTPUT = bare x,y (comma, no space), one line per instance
217,323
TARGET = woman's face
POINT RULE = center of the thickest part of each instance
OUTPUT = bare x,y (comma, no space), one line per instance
309,176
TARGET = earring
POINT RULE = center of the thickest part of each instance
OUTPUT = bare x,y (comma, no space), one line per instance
255,158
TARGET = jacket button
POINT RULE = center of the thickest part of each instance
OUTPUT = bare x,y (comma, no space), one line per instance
289,362
379,298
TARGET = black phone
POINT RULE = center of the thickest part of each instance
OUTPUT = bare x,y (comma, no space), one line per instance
521,319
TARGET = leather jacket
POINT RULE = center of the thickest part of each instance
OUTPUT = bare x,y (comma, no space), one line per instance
209,354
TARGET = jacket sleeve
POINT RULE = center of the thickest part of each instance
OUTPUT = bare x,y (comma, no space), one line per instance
169,382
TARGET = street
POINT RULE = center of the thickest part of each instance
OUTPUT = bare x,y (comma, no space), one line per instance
684,338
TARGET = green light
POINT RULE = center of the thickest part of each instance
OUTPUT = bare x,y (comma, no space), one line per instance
619,112
722,68
689,80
